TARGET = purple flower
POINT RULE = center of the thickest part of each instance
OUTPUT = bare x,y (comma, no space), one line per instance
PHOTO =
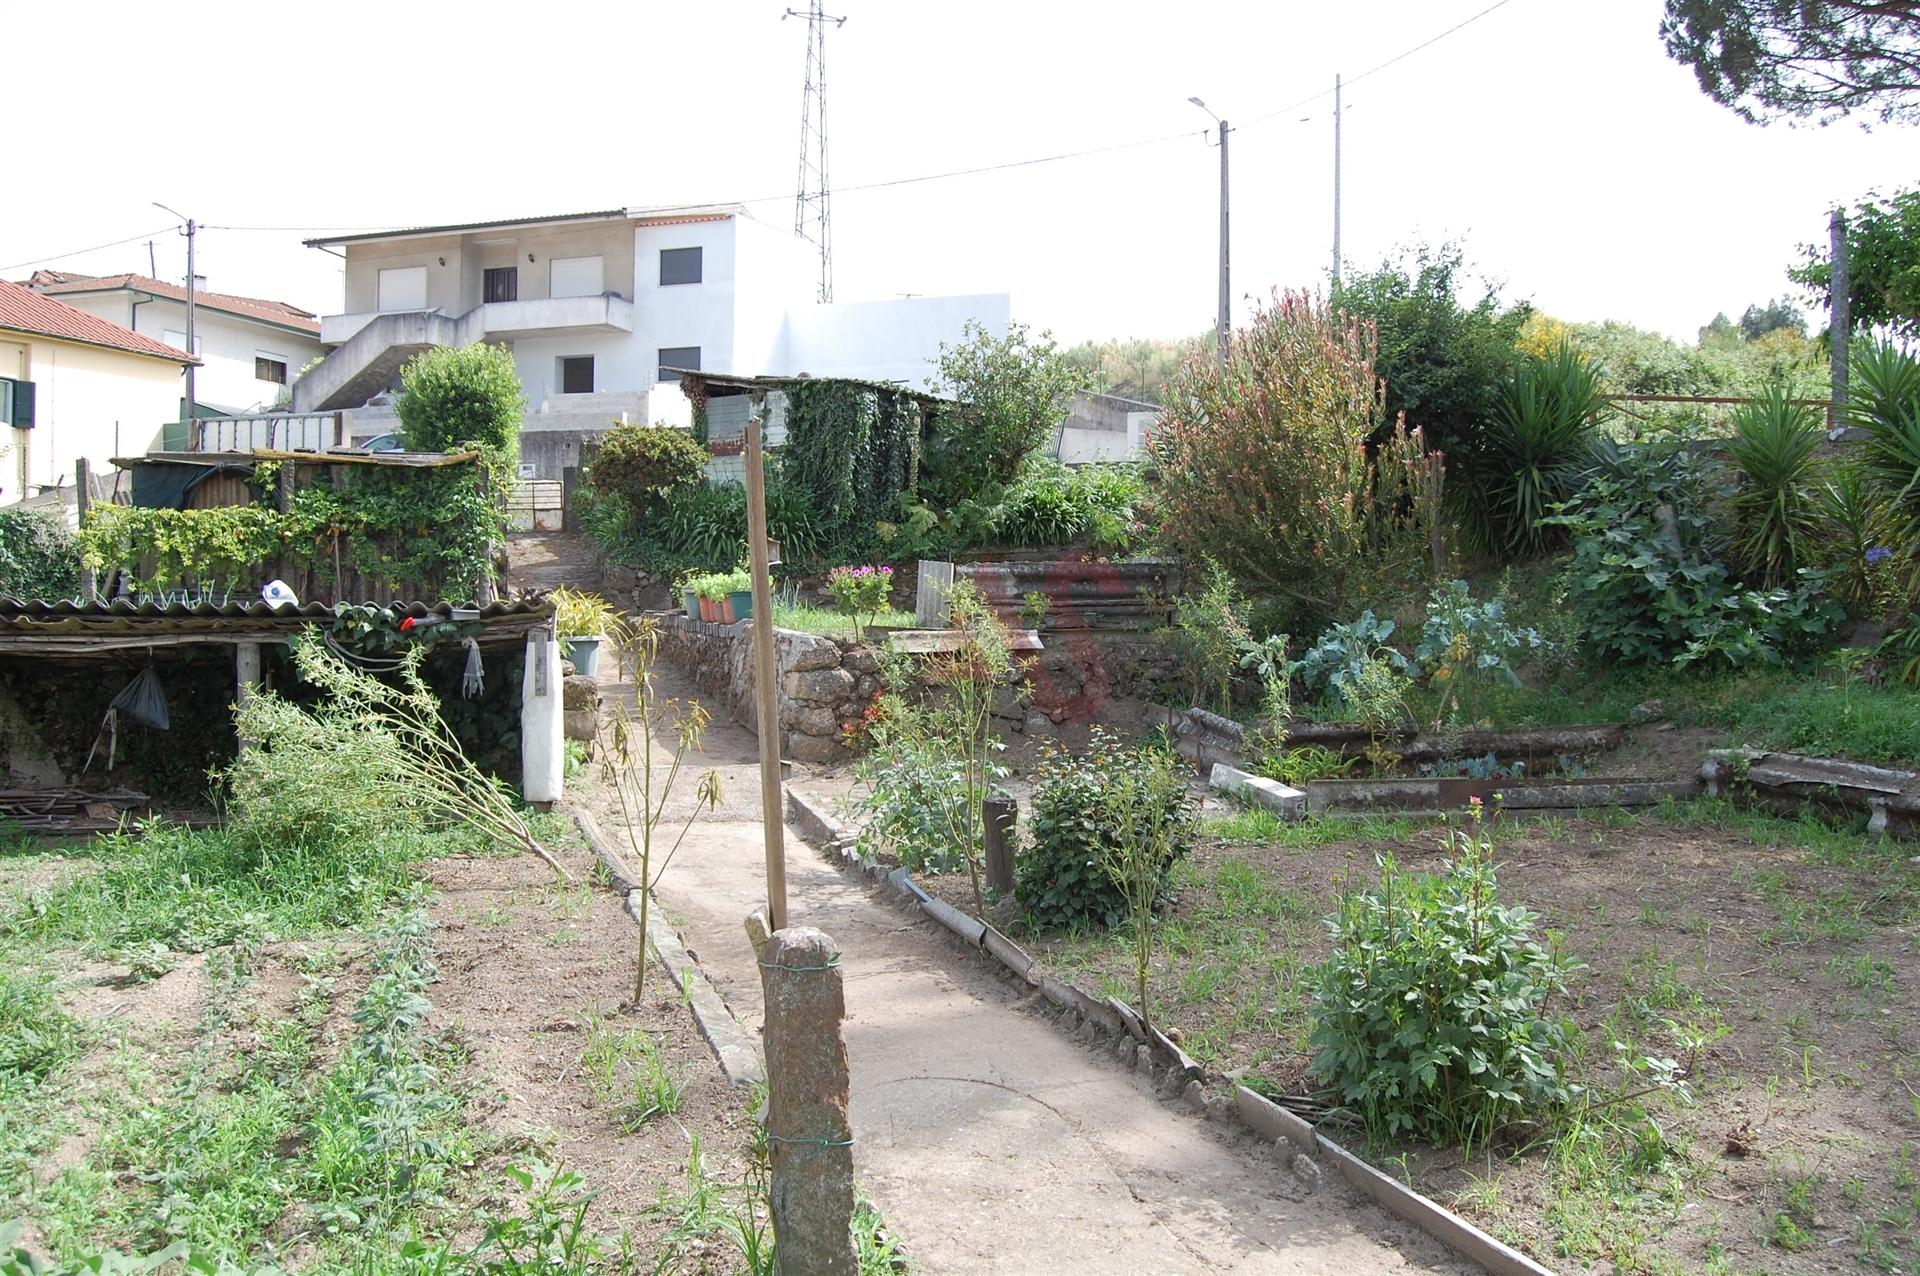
1879,554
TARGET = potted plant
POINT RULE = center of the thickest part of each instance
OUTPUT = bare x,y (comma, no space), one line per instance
712,589
582,622
690,596
740,593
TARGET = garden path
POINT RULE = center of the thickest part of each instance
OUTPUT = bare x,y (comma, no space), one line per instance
546,560
988,1140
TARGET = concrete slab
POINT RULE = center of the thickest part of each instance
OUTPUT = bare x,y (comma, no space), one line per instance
1281,799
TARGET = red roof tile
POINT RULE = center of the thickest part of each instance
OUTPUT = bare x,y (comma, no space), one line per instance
56,282
24,310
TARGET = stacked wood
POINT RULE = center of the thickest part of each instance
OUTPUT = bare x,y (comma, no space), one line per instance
70,810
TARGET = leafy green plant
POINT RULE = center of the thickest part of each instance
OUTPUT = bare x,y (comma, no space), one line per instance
1209,634
1035,607
1008,393
1648,585
1857,535
1106,827
644,465
1338,663
1298,766
1430,1017
39,557
628,1073
917,793
578,614
862,591
1775,450
455,397
1049,504
1884,400
1537,444
1465,642
37,1036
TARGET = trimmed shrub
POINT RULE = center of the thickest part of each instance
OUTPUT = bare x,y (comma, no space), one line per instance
1065,877
464,397
644,465
39,557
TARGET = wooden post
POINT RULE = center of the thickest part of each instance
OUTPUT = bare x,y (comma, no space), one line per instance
999,813
82,502
809,1139
1840,327
246,678
766,695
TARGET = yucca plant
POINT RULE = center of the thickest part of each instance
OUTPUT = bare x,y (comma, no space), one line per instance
1538,443
1859,532
1775,450
1885,403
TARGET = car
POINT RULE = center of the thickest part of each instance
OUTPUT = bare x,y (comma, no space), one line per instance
388,442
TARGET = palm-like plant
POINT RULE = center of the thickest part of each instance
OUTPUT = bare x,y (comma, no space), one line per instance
1886,404
1775,448
1538,443
1859,528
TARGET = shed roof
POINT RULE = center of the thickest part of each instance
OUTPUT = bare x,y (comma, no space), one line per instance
725,383
75,627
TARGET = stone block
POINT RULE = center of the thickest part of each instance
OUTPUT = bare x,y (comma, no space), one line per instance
860,659
580,724
813,748
798,653
815,719
579,692
1257,789
818,686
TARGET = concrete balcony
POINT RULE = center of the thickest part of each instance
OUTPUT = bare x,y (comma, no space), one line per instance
506,320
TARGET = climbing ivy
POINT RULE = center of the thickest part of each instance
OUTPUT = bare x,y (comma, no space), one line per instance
431,529
852,448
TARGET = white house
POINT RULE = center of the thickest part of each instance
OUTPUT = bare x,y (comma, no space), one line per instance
74,385
250,349
597,306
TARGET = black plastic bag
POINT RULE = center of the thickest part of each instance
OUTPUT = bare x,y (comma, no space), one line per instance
144,701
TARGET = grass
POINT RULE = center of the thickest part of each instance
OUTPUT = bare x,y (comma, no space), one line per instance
818,620
629,1075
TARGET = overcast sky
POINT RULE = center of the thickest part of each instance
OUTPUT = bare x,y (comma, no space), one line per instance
1582,168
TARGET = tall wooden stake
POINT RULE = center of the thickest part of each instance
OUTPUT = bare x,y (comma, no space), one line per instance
1840,325
82,502
766,695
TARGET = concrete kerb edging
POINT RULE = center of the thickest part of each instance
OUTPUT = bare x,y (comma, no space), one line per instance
1271,1120
1264,1118
737,1050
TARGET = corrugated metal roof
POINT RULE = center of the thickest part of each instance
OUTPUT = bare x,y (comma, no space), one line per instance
70,627
744,383
14,610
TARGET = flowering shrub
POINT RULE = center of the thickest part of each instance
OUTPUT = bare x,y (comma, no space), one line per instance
860,591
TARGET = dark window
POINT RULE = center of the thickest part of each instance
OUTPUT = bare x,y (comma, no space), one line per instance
679,266
576,375
503,283
16,403
684,358
265,369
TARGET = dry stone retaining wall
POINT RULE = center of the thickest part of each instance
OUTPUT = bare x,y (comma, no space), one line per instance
824,683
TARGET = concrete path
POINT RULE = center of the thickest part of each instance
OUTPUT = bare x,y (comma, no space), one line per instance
989,1141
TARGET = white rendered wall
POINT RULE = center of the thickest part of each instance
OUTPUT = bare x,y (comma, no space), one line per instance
227,344
886,340
699,314
87,402
777,274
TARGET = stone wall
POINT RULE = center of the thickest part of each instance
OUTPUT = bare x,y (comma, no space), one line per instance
824,683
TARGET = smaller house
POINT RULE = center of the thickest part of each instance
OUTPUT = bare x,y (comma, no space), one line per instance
250,349
75,385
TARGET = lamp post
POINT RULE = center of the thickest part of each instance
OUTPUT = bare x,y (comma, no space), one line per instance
191,229
1225,322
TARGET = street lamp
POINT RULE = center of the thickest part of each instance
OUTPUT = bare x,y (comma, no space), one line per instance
1225,321
191,228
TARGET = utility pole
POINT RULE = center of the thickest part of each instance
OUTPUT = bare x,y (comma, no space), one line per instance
813,200
189,231
1840,325
1224,324
1336,181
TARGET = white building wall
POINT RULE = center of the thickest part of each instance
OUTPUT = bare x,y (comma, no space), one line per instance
778,274
684,314
886,340
227,344
87,402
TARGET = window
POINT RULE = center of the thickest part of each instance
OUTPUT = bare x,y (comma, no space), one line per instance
403,288
679,266
685,358
503,283
270,367
576,375
16,403
575,277
178,340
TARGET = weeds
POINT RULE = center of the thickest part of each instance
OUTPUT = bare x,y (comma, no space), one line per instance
628,1073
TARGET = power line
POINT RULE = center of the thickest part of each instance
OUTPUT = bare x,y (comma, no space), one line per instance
35,261
1398,57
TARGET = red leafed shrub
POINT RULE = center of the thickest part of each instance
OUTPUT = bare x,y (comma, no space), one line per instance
1263,462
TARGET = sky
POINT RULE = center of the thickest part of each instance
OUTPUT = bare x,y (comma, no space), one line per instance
1580,168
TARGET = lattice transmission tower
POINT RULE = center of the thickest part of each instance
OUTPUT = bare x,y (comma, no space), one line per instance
813,202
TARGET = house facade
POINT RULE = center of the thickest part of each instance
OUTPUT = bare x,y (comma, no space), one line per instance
601,308
250,349
74,385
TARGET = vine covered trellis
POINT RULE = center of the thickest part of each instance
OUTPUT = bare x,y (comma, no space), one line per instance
414,532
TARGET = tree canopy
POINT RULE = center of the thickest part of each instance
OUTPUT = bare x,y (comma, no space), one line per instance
1801,59
1883,265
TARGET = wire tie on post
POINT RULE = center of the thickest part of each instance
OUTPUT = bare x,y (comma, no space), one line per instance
832,964
818,1143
